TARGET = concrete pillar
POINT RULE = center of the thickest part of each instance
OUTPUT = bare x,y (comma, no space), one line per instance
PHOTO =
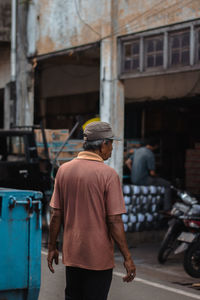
25,72
112,99
7,107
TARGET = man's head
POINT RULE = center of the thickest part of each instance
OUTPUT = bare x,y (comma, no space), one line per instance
152,143
98,138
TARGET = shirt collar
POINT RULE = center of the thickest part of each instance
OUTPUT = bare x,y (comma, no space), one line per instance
89,155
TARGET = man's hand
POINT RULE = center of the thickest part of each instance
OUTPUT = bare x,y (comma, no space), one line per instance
128,163
116,229
52,255
131,270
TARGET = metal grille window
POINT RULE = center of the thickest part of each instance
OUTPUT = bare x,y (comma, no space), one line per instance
154,52
179,48
131,56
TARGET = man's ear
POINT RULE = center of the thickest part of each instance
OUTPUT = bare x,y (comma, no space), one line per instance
102,149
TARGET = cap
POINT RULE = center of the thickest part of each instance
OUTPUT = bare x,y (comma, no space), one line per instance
98,131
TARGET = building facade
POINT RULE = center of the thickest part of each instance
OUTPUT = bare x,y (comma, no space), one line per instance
134,63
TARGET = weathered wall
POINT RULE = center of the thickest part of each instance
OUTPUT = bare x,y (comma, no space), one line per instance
4,66
62,24
162,87
139,15
5,20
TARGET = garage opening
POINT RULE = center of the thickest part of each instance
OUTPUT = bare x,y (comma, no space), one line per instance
176,124
67,87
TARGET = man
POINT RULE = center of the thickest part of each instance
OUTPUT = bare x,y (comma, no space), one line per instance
142,167
88,199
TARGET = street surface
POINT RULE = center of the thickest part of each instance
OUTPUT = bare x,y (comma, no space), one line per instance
153,281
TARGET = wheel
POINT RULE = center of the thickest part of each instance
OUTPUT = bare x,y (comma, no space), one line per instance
169,242
191,261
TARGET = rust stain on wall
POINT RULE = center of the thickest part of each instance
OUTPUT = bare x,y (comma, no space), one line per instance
155,13
69,25
60,26
44,4
45,45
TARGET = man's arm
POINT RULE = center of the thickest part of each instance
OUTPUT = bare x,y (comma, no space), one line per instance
152,173
128,163
116,229
54,229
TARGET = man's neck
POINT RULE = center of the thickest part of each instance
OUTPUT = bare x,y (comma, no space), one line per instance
95,152
149,147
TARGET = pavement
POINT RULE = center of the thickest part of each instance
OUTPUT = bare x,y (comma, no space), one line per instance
153,281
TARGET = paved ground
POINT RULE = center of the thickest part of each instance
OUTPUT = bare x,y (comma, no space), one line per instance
153,281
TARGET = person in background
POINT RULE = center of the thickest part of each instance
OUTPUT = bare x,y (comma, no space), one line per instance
142,167
88,200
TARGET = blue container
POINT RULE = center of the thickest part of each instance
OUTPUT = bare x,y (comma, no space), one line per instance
20,244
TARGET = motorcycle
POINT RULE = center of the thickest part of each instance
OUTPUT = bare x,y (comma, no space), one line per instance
176,224
190,243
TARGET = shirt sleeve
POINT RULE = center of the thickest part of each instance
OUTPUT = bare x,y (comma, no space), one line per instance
151,162
114,197
56,196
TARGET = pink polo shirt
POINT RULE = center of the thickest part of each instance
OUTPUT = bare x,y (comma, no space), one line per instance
87,190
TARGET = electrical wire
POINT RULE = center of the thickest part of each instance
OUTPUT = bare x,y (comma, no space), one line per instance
83,21
154,14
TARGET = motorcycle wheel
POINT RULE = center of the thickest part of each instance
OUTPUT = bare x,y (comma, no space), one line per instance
191,260
169,242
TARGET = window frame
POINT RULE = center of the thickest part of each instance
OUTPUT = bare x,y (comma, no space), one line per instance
180,49
194,64
131,56
197,40
160,67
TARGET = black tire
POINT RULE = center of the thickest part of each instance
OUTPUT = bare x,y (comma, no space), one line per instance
191,260
169,242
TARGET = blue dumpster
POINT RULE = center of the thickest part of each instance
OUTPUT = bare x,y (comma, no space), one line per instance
20,244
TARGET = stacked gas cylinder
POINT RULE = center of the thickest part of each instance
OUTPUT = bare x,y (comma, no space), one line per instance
143,204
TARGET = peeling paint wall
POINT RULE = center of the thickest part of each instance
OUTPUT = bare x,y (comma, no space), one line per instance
139,15
62,24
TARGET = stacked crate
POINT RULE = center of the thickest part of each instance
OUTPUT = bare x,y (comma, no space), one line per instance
143,204
70,150
55,139
192,170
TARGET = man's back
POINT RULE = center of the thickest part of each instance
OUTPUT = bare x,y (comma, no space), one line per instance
142,162
90,191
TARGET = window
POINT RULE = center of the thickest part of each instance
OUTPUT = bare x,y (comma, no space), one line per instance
132,56
169,49
198,45
154,52
179,48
